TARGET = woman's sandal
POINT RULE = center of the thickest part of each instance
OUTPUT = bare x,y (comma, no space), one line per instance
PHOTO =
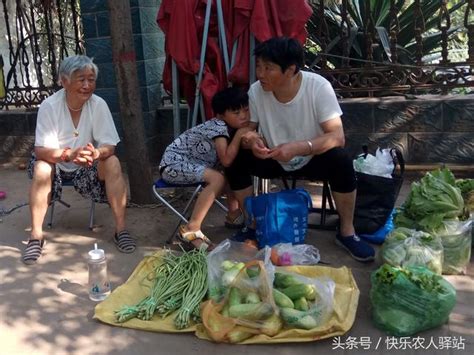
234,223
33,251
189,237
124,242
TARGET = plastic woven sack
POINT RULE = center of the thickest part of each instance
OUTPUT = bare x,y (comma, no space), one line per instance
346,297
408,300
409,247
132,291
456,238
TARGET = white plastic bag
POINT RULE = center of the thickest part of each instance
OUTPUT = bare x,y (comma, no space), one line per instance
408,247
226,260
379,165
286,254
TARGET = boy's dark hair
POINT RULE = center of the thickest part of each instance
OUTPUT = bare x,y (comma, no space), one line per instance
283,51
229,99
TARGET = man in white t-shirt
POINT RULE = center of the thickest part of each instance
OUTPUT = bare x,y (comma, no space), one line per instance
299,118
75,140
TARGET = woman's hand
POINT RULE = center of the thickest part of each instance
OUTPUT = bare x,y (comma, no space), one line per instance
95,151
284,152
83,156
259,149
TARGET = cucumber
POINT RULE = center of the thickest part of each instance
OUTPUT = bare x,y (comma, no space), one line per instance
235,297
225,310
252,297
298,319
285,280
253,271
282,300
297,291
307,322
301,304
312,294
238,334
271,326
251,311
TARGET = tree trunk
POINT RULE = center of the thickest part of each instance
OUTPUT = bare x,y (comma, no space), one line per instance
123,51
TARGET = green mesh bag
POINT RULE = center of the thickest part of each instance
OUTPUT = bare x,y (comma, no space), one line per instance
408,300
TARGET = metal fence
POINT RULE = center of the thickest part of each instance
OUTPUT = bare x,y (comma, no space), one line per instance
39,34
392,47
360,54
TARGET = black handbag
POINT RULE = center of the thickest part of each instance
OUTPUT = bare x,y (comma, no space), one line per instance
376,196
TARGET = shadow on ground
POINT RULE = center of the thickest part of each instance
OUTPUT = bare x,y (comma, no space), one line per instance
44,309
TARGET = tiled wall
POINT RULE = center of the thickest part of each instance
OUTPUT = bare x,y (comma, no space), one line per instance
428,130
150,56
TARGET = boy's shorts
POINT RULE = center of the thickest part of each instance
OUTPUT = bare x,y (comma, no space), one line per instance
85,180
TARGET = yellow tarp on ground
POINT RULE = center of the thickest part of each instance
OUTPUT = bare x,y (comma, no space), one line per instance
130,293
346,299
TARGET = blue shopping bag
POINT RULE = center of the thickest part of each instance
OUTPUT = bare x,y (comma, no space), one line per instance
281,217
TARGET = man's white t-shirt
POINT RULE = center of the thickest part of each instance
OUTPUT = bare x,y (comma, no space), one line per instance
296,120
55,129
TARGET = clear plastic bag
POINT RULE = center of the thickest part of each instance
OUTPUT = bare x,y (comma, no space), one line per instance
247,309
408,247
286,254
225,262
380,165
456,239
311,302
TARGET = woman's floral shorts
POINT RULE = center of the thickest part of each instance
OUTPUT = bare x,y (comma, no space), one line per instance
85,180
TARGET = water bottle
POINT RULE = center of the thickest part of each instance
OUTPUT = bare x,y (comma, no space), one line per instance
99,286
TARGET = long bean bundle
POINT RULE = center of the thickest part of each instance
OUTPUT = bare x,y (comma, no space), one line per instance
194,293
179,284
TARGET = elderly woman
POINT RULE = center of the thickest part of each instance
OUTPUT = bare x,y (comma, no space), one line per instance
75,140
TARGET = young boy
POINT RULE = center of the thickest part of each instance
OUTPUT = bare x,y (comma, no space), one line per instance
198,154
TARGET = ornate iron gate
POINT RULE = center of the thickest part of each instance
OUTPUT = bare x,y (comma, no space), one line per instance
39,34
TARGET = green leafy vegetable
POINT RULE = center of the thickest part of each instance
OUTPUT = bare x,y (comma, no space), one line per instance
405,247
456,239
430,201
408,300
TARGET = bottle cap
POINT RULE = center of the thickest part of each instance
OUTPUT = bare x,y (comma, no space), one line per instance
96,254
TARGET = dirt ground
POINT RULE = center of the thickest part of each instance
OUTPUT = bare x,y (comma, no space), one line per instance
44,309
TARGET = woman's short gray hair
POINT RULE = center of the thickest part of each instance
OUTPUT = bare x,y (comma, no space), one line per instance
76,62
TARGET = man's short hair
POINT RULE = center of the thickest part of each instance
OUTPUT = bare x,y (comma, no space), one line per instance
283,51
232,98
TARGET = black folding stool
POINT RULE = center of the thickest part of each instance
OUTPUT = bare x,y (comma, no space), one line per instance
160,184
